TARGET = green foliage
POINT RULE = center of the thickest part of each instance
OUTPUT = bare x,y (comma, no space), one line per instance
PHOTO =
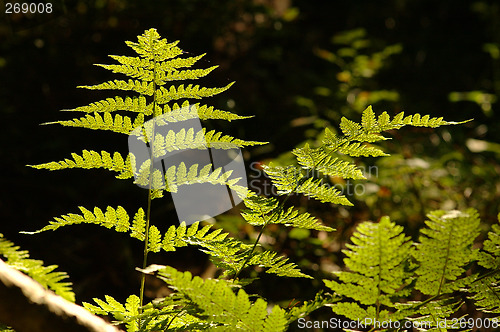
386,269
45,275
444,250
378,275
355,142
486,289
388,278
205,304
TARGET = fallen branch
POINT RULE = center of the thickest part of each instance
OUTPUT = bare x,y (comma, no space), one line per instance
27,307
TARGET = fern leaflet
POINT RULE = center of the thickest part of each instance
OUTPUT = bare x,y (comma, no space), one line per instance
378,276
45,275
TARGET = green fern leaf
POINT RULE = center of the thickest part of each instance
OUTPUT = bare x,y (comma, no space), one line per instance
118,124
131,104
489,257
444,250
277,265
289,180
377,261
320,160
262,212
486,289
164,95
216,299
140,87
92,159
45,275
154,239
187,111
111,218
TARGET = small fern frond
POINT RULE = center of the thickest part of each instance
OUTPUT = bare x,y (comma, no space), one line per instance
118,124
486,294
378,275
431,316
120,312
277,265
182,235
259,215
141,87
92,159
189,139
319,159
112,218
355,143
165,95
151,47
187,111
289,180
216,299
45,275
444,250
486,289
489,256
131,104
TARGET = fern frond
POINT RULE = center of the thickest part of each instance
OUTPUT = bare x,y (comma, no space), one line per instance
260,214
182,235
189,139
431,316
112,218
92,159
118,124
444,250
489,257
187,111
150,47
277,265
177,63
131,104
377,261
45,275
164,95
354,142
228,255
319,159
486,289
289,180
120,312
486,294
141,87
216,300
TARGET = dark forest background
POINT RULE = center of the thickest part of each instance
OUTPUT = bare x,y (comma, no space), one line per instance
299,66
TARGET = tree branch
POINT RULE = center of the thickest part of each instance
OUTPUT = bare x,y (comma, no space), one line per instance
27,307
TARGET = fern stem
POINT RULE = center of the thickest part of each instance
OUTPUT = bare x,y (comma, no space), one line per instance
150,193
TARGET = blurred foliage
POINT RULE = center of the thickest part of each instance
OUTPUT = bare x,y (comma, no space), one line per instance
299,66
